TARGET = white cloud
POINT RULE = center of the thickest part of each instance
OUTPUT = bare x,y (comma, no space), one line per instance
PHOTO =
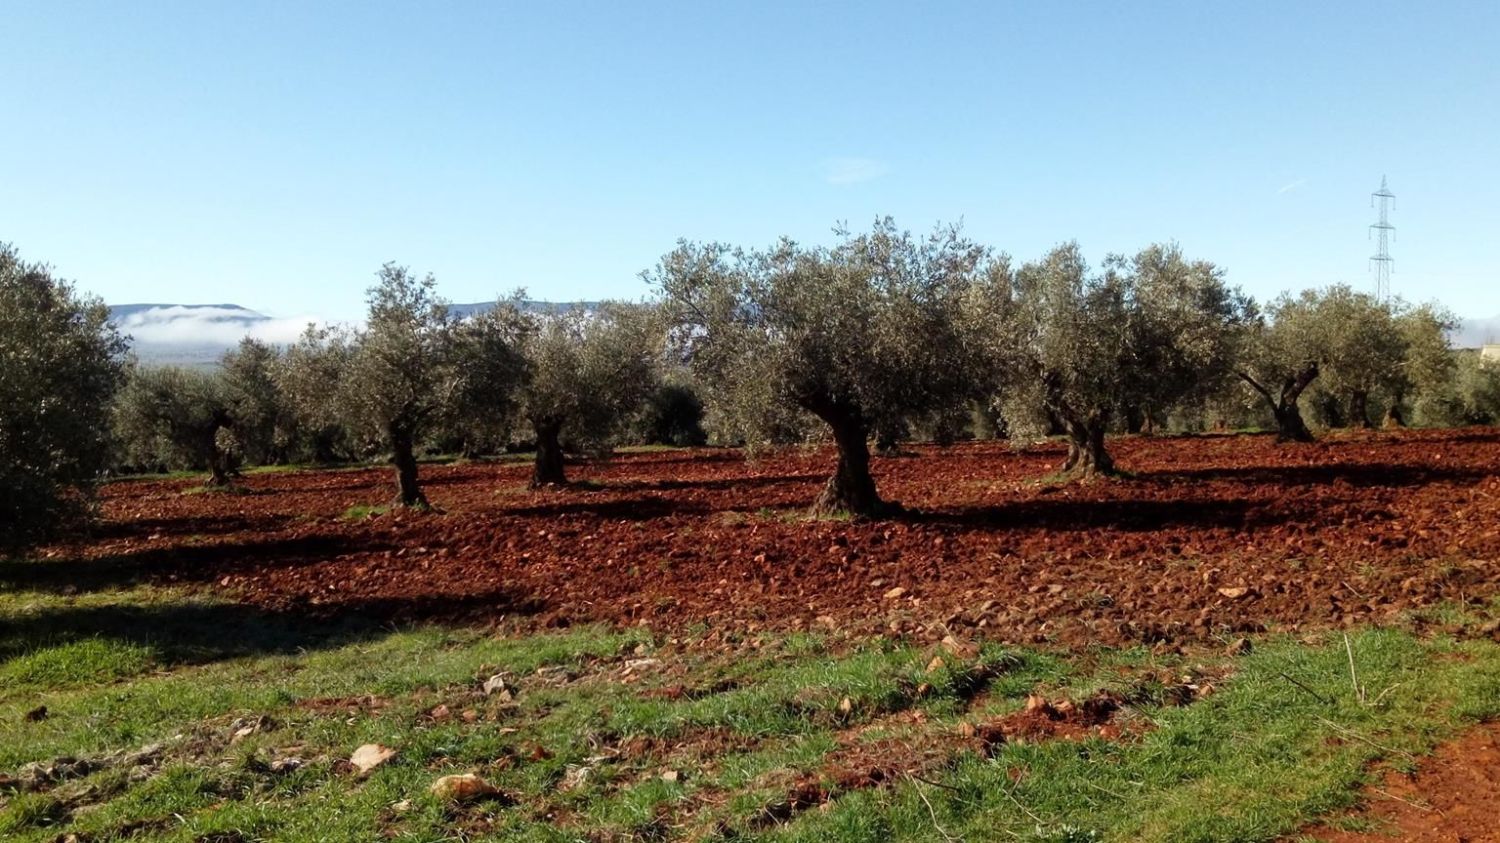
178,325
1291,186
853,170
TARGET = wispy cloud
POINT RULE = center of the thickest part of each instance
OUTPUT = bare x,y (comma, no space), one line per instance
1291,186
853,170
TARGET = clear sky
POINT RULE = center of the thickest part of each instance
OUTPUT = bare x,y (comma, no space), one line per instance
275,154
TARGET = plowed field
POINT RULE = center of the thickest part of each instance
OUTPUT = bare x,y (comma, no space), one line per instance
1211,536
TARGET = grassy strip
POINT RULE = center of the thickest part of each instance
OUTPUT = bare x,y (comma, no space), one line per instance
613,736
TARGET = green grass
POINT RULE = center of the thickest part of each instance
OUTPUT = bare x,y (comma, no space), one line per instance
599,716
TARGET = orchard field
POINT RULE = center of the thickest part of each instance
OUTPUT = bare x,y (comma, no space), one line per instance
1238,641
1212,536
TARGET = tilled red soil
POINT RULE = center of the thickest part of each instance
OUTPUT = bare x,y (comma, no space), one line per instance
1212,535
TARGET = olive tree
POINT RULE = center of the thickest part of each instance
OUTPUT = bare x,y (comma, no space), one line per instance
174,418
264,422
673,413
866,329
1143,334
1428,365
1282,354
1470,395
1363,347
1477,389
401,374
488,349
60,364
308,378
587,373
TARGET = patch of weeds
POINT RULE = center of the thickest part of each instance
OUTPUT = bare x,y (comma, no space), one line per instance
361,512
27,811
230,489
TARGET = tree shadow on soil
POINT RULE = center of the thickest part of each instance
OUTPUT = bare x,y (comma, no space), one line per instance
1373,475
210,525
730,483
1474,436
1130,516
632,509
196,563
328,480
692,457
196,632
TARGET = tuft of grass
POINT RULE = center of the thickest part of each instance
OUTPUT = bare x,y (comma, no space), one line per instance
86,661
362,512
32,812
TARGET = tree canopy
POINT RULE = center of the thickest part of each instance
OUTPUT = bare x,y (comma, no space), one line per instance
1075,347
175,418
864,329
401,374
60,364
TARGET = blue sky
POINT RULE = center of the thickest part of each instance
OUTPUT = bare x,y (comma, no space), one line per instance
275,154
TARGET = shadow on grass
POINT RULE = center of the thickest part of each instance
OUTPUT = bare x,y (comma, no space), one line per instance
191,631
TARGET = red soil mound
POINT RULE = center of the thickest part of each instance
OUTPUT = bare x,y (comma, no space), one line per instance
1212,535
1042,719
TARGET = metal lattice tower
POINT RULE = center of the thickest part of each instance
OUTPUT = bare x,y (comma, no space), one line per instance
1383,231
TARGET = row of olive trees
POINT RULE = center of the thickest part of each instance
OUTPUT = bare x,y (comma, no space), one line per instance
885,329
885,326
874,336
413,373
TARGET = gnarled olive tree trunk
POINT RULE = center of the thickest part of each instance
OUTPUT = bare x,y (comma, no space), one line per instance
1087,456
1289,424
221,464
221,470
1359,409
851,489
548,468
1393,416
404,457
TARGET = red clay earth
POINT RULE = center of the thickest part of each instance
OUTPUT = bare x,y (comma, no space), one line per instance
1212,535
1454,797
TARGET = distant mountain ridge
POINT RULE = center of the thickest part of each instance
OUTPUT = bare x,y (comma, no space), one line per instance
118,312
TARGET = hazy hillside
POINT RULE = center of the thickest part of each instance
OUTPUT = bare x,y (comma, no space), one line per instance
1473,333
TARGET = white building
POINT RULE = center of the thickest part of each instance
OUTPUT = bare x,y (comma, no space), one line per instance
1490,353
